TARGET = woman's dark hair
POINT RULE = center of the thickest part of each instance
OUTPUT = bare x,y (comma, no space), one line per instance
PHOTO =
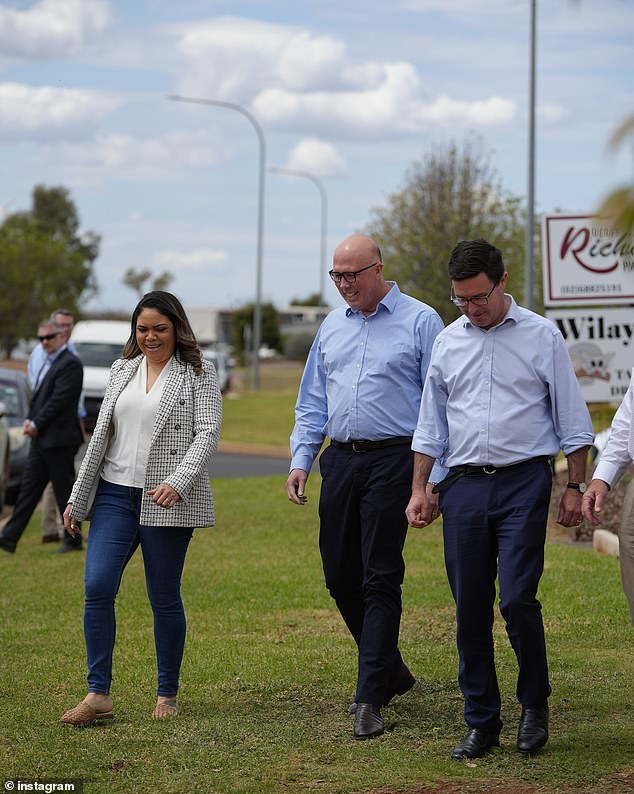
471,257
169,306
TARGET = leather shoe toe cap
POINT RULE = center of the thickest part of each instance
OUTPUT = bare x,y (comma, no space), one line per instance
368,721
475,744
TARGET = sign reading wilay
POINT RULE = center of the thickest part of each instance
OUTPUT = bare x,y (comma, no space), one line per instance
601,346
586,262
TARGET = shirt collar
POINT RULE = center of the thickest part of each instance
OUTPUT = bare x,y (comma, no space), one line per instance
57,353
389,300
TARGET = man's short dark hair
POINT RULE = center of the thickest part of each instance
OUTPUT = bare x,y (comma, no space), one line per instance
472,257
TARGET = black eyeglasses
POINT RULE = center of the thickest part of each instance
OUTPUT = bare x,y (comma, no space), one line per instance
351,277
477,300
48,337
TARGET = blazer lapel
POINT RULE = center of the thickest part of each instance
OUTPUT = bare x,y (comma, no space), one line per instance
171,390
51,370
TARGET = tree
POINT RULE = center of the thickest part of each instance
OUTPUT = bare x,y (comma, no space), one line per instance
45,263
453,194
314,299
135,279
243,319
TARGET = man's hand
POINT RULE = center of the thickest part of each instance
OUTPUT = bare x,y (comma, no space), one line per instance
593,501
423,507
570,509
295,485
29,429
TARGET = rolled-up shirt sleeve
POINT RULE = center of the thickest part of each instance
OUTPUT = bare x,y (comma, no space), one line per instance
619,451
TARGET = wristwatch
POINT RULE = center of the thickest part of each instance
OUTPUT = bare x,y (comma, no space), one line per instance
578,486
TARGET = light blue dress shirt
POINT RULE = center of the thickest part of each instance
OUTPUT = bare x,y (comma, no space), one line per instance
501,396
364,375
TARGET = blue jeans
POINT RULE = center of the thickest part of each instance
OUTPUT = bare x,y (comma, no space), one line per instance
115,533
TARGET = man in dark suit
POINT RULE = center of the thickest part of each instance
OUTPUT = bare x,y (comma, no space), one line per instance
55,433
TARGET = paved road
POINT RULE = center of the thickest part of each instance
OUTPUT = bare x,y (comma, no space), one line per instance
232,464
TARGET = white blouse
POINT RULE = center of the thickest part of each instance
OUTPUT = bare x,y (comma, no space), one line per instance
133,421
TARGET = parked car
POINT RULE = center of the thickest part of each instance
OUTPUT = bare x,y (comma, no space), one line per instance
15,396
5,451
220,360
98,343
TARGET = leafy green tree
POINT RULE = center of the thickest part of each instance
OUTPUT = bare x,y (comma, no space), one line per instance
243,319
45,262
135,279
453,194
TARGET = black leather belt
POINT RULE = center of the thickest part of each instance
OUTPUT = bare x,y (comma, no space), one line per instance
361,445
456,472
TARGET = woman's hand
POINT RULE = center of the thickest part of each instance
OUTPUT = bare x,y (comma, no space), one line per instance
164,495
71,525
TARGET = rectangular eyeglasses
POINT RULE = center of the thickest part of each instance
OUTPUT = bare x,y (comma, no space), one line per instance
351,277
477,300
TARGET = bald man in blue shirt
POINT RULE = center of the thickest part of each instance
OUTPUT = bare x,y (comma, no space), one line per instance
500,400
361,388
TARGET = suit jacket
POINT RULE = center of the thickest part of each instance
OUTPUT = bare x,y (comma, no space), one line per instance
54,403
184,437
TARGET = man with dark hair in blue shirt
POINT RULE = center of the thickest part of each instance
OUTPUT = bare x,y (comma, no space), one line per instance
500,400
361,388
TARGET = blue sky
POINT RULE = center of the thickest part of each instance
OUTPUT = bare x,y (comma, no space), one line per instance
352,92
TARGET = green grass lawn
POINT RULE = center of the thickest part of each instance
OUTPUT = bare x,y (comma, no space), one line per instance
269,670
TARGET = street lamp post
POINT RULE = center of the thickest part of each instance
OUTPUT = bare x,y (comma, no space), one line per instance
324,221
530,221
257,313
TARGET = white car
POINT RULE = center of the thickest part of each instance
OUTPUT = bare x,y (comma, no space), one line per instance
220,360
98,344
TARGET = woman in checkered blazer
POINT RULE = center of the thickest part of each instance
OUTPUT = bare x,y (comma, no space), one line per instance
144,480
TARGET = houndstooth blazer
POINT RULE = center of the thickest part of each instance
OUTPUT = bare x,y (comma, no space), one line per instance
184,438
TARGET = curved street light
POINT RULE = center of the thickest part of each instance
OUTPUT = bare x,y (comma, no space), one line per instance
324,220
257,312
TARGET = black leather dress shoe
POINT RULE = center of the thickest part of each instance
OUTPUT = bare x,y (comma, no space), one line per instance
532,733
7,545
475,744
50,538
368,721
398,685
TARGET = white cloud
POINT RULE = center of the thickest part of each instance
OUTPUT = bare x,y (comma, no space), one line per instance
296,80
198,259
46,111
52,28
317,157
486,112
394,107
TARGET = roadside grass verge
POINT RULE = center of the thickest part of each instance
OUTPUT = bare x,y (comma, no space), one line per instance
269,671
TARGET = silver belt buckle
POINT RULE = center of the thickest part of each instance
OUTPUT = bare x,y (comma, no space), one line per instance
488,469
354,447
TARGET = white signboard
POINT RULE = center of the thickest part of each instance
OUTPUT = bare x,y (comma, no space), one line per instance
586,262
601,346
